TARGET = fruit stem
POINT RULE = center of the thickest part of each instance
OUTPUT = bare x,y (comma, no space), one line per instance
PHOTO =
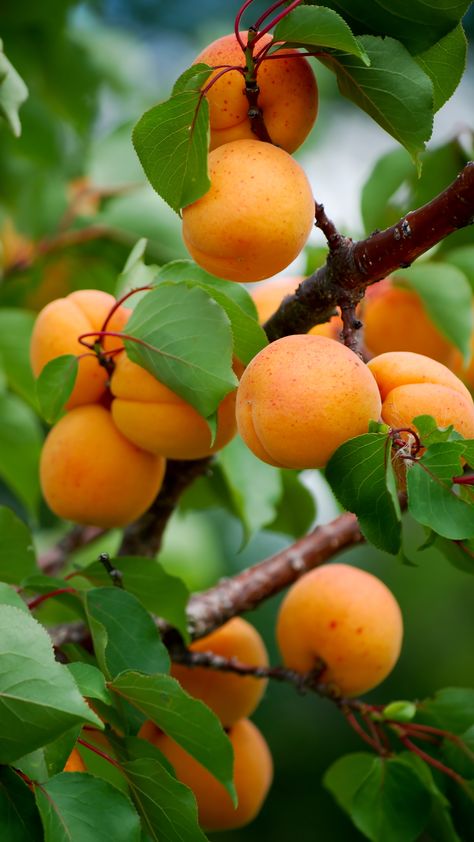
267,13
464,480
238,18
277,19
120,302
100,753
431,761
38,600
356,726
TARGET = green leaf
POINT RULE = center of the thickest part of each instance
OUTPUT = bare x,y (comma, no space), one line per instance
440,826
296,510
183,718
136,273
171,141
13,93
431,498
188,344
20,448
19,819
459,553
394,90
131,639
17,555
445,63
90,681
16,327
38,698
55,384
9,596
77,807
50,759
447,297
451,708
344,777
463,258
460,756
361,476
188,271
164,595
319,27
430,433
389,172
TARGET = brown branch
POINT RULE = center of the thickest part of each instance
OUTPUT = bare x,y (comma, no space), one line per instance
53,560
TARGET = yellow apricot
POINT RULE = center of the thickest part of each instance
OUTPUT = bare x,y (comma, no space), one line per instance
230,696
56,332
253,772
396,320
255,218
301,397
92,474
74,763
346,617
288,94
268,296
156,419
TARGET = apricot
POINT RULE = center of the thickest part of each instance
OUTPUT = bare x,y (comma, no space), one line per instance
255,218
346,617
92,474
253,772
288,94
56,332
301,397
268,296
74,763
395,319
230,696
412,385
156,419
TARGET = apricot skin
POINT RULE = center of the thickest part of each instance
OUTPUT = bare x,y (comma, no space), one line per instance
288,95
255,218
253,772
348,618
74,763
301,397
156,419
231,697
268,296
91,474
56,332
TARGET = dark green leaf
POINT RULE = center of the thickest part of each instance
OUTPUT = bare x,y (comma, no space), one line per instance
451,708
50,759
16,327
20,447
19,820
345,776
296,511
319,27
55,384
9,596
445,63
459,553
460,756
90,681
13,93
440,825
17,555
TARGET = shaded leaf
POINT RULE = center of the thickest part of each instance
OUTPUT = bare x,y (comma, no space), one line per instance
296,510
451,708
17,555
20,448
50,759
16,327
19,819
55,384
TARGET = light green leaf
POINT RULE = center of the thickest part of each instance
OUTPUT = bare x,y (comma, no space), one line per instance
445,63
319,26
55,384
136,273
16,327
345,776
90,681
13,93
188,270
9,596
20,448
389,172
296,510
17,555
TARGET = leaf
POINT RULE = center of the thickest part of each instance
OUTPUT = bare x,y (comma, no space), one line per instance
9,596
431,498
440,825
360,474
188,344
171,141
16,327
185,719
430,433
131,639
77,807
19,819
20,448
187,270
136,273
451,708
459,553
394,90
90,681
296,510
400,711
389,172
55,384
344,777
446,295
38,698
320,27
49,760
164,595
445,63
17,555
460,756
13,93
463,258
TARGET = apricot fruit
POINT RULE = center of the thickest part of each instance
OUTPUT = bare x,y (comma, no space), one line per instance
288,94
92,474
301,397
156,419
268,296
253,772
255,218
56,332
230,696
346,617
74,763
412,384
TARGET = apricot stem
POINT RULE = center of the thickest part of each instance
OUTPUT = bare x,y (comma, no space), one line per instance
463,480
238,18
38,600
100,753
120,302
277,19
431,761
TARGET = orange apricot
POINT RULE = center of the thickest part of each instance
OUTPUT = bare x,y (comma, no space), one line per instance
255,218
230,696
56,332
156,419
268,296
288,94
346,617
253,772
74,763
301,397
92,474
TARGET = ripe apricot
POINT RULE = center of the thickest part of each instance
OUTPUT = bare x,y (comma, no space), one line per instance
56,332
255,218
268,296
74,763
301,397
92,474
412,385
346,617
230,696
396,320
288,94
253,772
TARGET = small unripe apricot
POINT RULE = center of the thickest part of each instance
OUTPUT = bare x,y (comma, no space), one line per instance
288,94
346,617
230,696
156,419
56,332
253,772
255,218
268,296
92,474
301,397
74,763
